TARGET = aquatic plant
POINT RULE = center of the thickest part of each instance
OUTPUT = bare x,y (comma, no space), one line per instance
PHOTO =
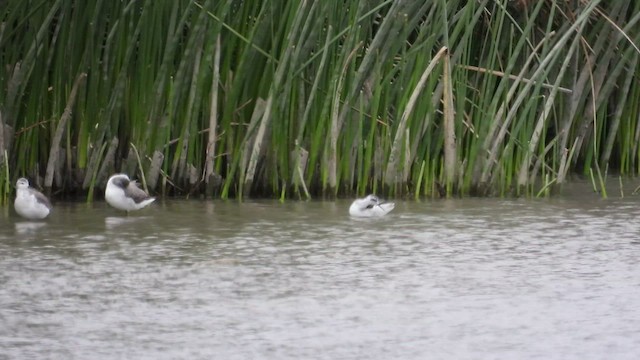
295,99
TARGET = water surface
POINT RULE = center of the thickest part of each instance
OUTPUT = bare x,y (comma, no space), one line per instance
442,279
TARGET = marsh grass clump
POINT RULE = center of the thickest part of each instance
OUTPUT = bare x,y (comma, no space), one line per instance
318,98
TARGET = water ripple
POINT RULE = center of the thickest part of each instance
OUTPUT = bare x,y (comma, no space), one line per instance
460,279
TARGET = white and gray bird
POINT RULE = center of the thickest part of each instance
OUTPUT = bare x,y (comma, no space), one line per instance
124,194
31,203
370,206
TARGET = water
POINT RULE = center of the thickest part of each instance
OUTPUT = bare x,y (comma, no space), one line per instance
444,279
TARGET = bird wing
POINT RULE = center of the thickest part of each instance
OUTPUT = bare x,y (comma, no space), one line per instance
133,191
41,198
386,207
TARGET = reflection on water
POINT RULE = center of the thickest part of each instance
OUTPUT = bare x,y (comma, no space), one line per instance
115,222
29,227
455,279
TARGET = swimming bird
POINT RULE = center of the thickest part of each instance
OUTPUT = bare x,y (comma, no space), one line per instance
124,194
370,206
30,203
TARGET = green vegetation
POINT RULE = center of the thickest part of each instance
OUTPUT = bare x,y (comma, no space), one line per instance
296,99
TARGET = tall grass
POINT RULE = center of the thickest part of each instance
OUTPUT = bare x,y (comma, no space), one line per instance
318,98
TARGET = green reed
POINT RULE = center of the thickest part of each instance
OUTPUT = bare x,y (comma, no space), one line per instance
306,99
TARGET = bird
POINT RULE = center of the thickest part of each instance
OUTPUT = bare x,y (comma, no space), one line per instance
370,206
31,203
124,194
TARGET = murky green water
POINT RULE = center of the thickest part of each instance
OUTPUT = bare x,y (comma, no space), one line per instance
454,279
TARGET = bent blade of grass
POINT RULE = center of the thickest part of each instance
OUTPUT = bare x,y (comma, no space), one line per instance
274,91
391,172
450,149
